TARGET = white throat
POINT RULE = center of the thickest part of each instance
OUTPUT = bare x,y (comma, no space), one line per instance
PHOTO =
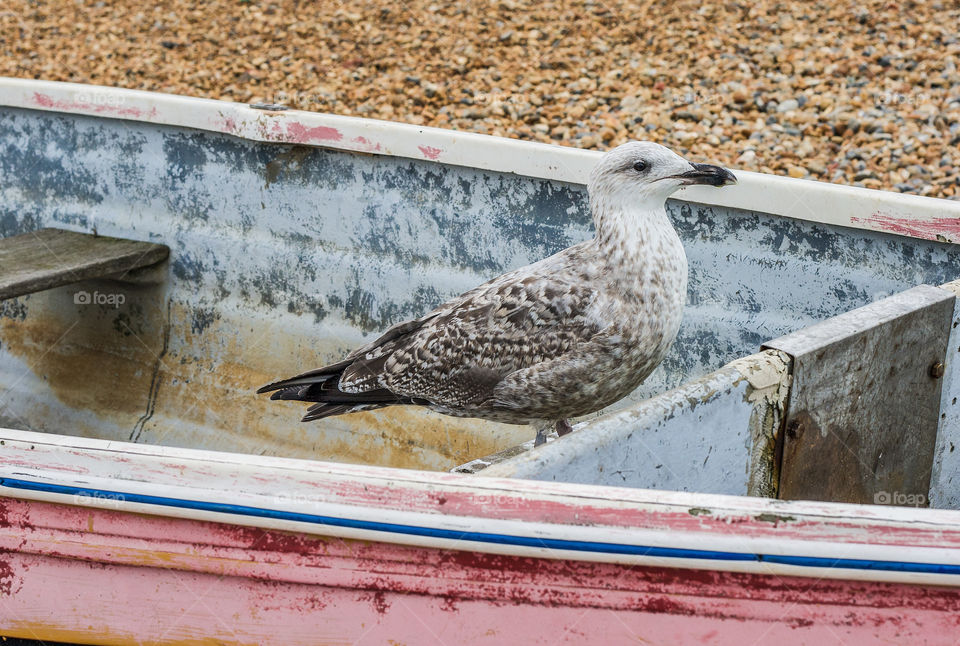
629,231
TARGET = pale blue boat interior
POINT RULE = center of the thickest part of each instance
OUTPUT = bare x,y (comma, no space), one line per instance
285,257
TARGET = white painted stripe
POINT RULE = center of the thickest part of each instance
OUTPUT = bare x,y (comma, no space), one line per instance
298,486
856,207
579,533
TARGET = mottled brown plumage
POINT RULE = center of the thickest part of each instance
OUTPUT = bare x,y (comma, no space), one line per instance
560,338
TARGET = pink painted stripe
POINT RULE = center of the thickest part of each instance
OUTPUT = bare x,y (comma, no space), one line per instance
128,577
941,229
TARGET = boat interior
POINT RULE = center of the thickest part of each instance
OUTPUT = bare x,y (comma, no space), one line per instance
247,261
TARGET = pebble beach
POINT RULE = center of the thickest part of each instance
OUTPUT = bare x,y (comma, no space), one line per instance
861,93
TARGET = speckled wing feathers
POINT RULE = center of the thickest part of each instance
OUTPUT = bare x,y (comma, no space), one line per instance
467,356
458,358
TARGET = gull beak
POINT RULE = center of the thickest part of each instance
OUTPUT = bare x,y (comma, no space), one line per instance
707,174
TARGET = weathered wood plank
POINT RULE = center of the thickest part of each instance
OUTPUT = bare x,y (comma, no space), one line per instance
862,420
48,258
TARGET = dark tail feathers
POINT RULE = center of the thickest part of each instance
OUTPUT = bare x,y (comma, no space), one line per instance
322,386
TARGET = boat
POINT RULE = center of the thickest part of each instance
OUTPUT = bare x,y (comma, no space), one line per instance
788,474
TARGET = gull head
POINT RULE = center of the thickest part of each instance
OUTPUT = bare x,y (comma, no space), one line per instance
642,173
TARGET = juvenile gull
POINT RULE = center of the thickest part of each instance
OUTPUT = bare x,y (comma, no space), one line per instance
563,337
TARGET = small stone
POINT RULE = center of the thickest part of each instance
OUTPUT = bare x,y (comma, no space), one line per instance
894,73
686,115
796,171
788,105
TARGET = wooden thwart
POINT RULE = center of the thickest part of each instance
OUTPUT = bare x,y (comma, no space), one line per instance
48,258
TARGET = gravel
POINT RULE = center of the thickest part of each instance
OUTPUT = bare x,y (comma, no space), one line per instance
789,87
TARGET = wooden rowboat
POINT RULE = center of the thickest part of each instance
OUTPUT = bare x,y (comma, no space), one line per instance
789,474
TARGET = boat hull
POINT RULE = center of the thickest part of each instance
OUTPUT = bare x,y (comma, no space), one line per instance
151,580
147,496
133,544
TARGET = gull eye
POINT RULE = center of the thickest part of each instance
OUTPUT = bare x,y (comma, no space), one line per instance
640,166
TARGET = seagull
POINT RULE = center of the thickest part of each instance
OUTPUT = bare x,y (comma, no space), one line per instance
558,339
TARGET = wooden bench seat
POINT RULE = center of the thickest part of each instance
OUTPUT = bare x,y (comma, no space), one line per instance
39,260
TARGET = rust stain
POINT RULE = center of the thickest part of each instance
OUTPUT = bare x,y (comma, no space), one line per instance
86,357
44,632
116,382
215,388
286,162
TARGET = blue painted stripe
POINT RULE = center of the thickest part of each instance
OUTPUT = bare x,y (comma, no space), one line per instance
485,537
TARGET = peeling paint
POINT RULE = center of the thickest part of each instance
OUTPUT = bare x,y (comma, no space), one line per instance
301,134
768,374
774,518
945,230
278,587
430,152
85,103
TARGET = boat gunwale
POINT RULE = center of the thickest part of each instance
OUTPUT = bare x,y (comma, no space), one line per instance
837,204
765,536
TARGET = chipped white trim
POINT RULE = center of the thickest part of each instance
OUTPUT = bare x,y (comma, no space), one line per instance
909,215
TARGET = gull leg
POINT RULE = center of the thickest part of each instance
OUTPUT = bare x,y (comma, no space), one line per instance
541,437
542,434
563,427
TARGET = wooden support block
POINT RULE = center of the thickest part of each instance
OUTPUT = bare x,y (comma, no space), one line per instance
48,258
